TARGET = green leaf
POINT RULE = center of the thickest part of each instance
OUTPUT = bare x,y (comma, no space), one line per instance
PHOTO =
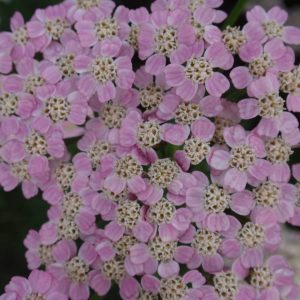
235,14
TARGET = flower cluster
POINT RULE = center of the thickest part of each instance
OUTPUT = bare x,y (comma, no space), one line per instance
170,180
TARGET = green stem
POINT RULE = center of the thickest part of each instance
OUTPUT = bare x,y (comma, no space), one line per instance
236,12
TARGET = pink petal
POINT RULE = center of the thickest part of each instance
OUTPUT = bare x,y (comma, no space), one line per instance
217,85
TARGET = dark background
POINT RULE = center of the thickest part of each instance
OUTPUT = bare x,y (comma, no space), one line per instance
18,215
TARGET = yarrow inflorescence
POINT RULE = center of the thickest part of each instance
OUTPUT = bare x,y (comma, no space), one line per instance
162,144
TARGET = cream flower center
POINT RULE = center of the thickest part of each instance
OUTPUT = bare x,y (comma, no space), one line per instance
113,269
161,212
112,114
251,235
87,4
206,242
162,251
260,66
45,254
163,171
290,81
196,150
151,96
71,205
165,40
242,157
68,229
97,151
278,150
77,270
57,109
187,113
32,82
127,167
273,29
106,29
55,28
128,213
148,134
198,70
66,65
20,36
19,170
226,285
172,288
271,105
104,69
216,199
233,38
261,277
64,175
36,144
8,104
267,194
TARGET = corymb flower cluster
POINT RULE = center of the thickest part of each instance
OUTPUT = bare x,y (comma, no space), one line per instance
162,144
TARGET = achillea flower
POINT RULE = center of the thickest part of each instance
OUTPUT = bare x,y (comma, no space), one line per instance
260,234
269,279
197,71
73,270
263,26
245,161
168,35
295,219
289,82
104,71
78,10
102,27
47,25
273,56
39,284
18,40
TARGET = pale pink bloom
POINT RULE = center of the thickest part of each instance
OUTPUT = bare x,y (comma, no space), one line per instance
72,176
100,27
104,70
275,273
167,35
60,104
61,227
47,25
213,216
66,270
198,71
280,200
253,239
295,220
273,56
62,55
40,283
76,11
6,62
263,26
18,40
244,163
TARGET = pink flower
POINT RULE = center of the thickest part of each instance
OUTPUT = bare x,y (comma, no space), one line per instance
47,25
260,234
101,26
168,35
78,10
244,163
295,220
278,198
269,279
40,283
273,56
60,104
199,70
209,202
263,26
104,71
18,40
73,271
